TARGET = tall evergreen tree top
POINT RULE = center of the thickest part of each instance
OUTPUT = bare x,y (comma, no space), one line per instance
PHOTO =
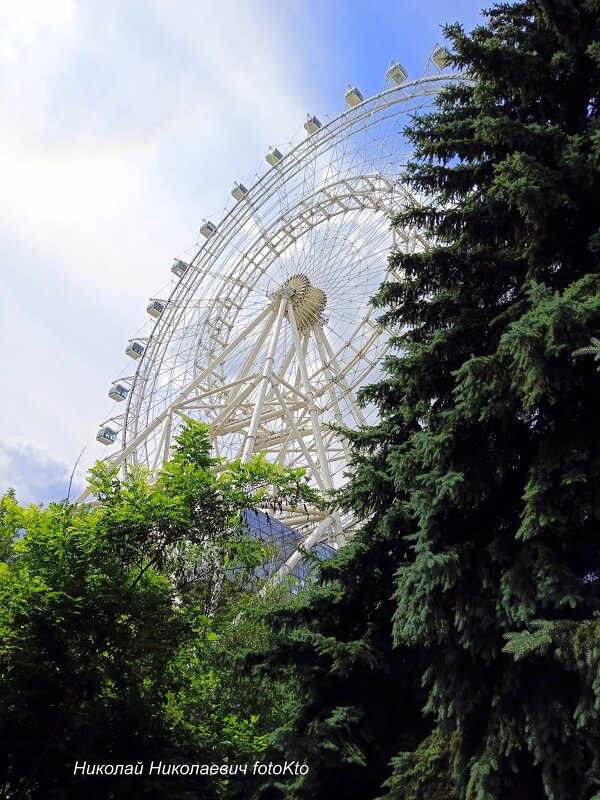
481,483
490,427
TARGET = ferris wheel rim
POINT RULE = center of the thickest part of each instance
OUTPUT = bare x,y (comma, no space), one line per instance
269,179
275,173
150,403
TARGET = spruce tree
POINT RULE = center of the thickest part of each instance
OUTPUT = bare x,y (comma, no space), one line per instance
357,699
482,481
501,461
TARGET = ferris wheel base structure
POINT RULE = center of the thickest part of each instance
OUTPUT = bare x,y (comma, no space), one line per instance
267,331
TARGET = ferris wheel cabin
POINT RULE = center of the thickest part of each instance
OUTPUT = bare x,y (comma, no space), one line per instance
155,308
118,392
208,228
353,97
106,436
239,191
396,73
312,124
179,268
135,350
441,57
273,156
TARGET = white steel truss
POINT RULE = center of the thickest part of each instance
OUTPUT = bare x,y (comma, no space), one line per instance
268,332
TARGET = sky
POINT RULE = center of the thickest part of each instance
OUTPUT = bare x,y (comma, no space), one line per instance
125,123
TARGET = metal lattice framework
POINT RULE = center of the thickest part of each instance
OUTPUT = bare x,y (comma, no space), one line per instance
268,331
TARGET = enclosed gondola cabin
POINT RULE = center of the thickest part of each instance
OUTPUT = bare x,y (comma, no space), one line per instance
106,436
273,156
179,268
441,57
312,124
396,73
353,97
208,228
155,308
239,191
118,392
135,350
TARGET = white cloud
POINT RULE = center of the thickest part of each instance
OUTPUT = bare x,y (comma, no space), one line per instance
118,146
36,474
22,22
49,380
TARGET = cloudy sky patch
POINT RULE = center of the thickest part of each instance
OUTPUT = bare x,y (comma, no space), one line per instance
35,474
22,23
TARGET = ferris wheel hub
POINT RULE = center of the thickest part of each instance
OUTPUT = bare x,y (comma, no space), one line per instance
277,376
308,301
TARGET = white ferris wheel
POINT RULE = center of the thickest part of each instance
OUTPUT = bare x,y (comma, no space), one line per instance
267,331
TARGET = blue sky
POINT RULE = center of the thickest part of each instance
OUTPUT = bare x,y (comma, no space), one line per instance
125,124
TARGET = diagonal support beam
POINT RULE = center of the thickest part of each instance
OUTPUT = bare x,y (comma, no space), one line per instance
264,383
293,561
310,401
340,377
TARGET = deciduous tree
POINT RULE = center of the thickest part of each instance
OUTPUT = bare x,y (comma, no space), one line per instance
118,627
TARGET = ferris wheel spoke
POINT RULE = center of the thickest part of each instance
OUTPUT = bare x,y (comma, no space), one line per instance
312,411
251,359
267,372
267,330
331,389
237,402
162,447
314,469
320,336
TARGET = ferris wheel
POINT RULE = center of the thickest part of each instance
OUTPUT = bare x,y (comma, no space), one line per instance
267,331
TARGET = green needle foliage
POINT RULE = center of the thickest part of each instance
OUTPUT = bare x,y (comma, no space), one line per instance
119,627
357,699
499,429
482,481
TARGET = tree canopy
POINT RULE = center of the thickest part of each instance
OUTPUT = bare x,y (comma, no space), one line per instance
120,623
